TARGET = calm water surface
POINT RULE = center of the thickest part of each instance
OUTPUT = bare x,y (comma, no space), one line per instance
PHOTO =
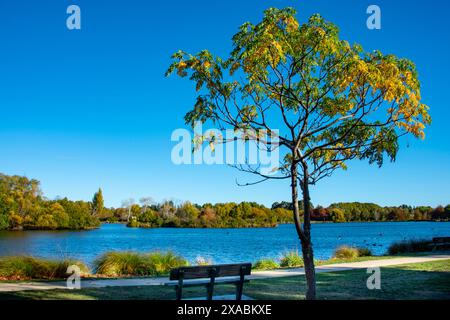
220,245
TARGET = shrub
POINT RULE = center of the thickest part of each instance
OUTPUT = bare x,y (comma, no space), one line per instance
121,263
346,252
26,267
133,224
61,268
161,262
137,264
409,246
202,261
266,264
291,259
364,252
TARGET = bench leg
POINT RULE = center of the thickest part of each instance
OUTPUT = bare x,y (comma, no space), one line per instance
179,290
210,290
239,289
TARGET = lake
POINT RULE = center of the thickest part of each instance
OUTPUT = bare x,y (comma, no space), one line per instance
220,245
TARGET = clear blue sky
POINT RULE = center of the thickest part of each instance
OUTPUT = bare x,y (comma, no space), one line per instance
89,108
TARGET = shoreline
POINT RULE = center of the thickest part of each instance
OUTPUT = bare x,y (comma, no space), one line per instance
321,265
217,228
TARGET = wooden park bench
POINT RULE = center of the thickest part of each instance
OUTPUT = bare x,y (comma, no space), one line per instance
440,242
208,276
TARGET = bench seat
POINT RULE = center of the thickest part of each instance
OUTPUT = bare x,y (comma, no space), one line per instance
208,276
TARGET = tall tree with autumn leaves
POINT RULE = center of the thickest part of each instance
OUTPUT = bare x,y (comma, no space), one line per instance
97,203
331,102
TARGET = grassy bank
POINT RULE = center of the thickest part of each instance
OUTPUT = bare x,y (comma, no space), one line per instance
429,280
294,259
135,264
110,264
26,268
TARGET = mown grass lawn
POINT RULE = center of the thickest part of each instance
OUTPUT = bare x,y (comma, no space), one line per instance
429,280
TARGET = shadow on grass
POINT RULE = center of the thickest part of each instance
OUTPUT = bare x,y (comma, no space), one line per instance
416,281
397,283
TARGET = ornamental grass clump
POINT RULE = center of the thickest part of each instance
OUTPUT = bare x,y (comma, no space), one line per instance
129,263
364,252
345,252
266,264
27,268
349,253
291,259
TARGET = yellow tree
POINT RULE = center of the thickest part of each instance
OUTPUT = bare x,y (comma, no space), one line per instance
331,101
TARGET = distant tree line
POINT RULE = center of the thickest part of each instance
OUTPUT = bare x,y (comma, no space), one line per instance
22,206
356,211
251,214
188,215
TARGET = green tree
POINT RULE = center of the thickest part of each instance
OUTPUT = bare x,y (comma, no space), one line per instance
59,215
331,102
337,215
80,214
149,216
98,203
187,212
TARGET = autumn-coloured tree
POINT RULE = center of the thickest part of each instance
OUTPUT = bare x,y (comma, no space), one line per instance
331,101
98,203
23,206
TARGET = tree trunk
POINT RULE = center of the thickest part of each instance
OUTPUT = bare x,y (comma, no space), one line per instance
305,233
308,255
296,210
310,271
129,214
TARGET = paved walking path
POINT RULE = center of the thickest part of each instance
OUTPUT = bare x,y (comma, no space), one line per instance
101,283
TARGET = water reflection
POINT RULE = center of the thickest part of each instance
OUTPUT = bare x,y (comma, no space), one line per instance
220,245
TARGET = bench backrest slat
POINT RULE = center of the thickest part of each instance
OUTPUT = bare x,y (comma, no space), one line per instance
222,270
